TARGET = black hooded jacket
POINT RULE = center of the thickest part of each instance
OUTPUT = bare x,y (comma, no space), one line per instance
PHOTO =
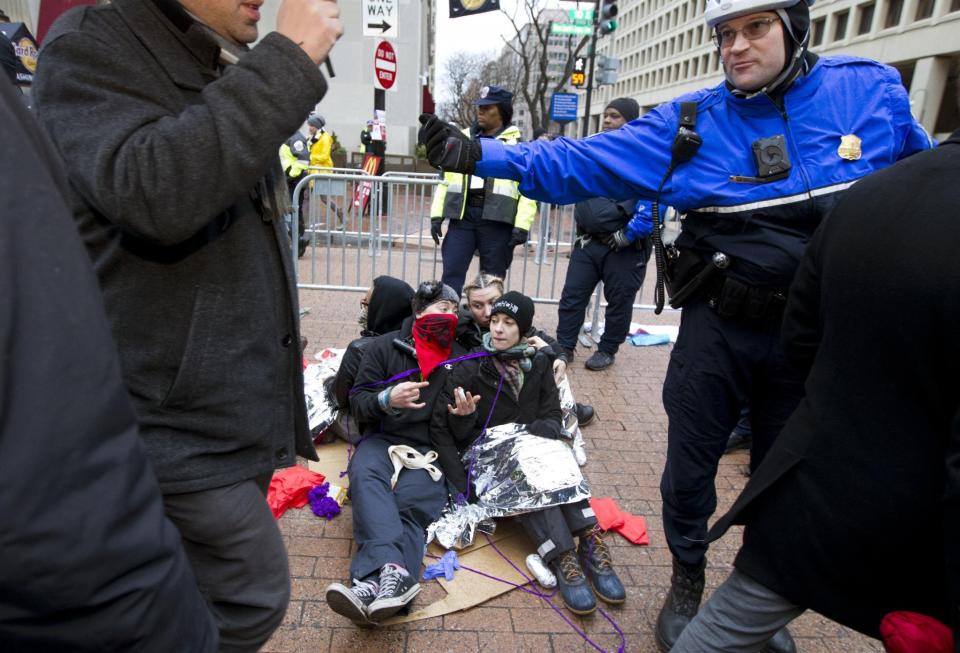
538,406
389,306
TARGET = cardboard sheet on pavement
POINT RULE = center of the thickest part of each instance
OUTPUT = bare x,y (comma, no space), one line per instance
467,589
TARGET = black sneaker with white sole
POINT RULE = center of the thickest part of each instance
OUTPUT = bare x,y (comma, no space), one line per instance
397,589
352,602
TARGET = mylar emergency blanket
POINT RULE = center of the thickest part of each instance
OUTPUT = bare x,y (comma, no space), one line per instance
513,472
571,425
321,406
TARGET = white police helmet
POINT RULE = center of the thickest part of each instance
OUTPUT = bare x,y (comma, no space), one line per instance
719,11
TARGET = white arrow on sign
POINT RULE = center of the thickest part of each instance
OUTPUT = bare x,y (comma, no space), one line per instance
379,18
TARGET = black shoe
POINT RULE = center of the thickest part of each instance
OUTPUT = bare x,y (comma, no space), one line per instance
585,414
681,604
574,590
782,642
597,564
397,589
738,441
600,360
352,602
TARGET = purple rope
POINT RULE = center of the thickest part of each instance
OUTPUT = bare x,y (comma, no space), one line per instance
406,373
483,434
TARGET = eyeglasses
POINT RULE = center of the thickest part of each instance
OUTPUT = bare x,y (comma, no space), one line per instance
755,29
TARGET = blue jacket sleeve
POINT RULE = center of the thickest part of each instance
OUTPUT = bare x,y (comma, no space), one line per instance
913,136
620,164
641,224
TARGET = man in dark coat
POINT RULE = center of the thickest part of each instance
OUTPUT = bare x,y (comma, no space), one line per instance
88,563
855,512
170,126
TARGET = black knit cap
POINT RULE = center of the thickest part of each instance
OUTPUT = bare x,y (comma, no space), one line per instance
626,107
517,306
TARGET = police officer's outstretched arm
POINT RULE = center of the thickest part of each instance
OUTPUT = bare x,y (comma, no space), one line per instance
627,162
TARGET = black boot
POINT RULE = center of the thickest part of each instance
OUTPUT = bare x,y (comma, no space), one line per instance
782,642
681,604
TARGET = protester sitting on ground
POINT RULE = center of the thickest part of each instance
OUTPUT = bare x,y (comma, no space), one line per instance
394,490
528,395
479,295
383,309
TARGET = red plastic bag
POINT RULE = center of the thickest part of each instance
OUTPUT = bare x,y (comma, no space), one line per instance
289,489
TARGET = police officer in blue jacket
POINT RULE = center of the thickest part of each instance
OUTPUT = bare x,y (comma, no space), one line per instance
611,247
782,138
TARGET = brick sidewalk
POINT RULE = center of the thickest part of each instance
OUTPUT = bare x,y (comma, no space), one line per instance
626,449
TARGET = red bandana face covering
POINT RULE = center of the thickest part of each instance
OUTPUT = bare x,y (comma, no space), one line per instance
433,337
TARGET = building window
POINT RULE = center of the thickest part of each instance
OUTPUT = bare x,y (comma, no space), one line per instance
819,27
955,5
866,18
924,9
840,25
894,9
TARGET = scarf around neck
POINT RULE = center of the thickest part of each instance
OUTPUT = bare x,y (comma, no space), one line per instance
433,337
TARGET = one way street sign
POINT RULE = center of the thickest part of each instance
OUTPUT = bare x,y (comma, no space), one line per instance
379,18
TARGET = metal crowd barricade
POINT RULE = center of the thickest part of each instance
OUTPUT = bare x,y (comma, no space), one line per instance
352,242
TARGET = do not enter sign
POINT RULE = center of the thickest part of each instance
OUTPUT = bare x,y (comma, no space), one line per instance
385,67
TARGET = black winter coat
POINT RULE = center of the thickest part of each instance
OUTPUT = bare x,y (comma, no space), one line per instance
538,406
165,156
88,562
382,360
855,512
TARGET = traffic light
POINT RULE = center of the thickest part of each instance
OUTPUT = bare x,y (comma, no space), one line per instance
578,77
607,69
608,15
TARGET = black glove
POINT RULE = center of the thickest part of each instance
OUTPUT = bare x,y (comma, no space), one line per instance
436,229
447,147
518,236
617,240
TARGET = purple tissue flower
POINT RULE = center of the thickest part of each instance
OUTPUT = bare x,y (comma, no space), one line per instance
321,504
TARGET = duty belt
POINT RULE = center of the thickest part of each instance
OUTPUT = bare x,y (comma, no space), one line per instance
735,300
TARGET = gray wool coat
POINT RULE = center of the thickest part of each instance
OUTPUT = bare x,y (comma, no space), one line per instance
165,155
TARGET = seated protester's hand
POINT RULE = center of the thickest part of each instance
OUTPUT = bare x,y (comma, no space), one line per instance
537,342
407,394
463,403
545,428
559,369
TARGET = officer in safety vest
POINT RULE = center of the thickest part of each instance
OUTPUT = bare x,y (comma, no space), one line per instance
489,215
295,159
755,164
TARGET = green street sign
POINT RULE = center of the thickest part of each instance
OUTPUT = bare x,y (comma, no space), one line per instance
580,15
569,28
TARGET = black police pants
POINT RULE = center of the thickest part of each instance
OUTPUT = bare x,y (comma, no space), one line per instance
716,366
622,274
389,524
552,529
473,233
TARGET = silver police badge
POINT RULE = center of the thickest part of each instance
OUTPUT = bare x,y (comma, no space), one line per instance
850,147
484,92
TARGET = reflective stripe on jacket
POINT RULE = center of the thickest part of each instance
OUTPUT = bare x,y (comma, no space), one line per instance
502,200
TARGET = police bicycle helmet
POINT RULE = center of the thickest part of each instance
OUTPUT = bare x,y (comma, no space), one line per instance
719,11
